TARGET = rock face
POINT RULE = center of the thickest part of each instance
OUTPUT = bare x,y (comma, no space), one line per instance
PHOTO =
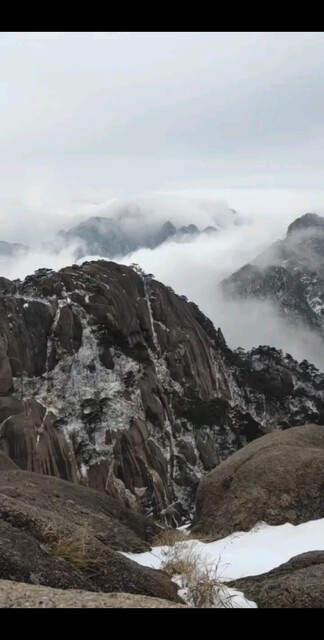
31,440
112,380
298,584
290,273
5,463
20,595
66,536
277,478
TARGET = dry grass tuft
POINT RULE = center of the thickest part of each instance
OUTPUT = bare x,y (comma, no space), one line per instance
199,582
206,591
177,564
168,537
74,547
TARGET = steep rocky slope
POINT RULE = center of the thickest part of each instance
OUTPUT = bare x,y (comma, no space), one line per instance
6,464
108,378
290,273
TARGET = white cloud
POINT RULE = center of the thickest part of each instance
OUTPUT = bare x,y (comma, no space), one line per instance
196,269
109,35
192,268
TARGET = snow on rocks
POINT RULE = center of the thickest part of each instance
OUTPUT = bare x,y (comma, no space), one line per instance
242,554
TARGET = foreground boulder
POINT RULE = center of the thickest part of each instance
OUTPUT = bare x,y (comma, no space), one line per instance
298,584
278,478
43,501
66,536
20,595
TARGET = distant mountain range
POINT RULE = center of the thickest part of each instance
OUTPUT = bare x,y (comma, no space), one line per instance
110,238
12,249
107,237
290,274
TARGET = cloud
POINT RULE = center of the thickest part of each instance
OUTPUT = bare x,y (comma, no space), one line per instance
146,127
44,204
20,267
109,35
139,110
193,268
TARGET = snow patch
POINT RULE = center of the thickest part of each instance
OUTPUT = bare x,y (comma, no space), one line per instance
243,554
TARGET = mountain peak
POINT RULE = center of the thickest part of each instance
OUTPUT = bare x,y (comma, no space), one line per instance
306,221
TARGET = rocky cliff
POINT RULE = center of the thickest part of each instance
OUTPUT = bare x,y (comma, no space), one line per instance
290,273
110,379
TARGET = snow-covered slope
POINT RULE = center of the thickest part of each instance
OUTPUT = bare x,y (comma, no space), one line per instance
242,554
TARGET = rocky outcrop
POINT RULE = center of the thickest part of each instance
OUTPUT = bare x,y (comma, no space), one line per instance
32,442
5,463
112,380
25,596
23,559
276,479
297,584
5,368
10,406
32,501
290,274
66,536
307,221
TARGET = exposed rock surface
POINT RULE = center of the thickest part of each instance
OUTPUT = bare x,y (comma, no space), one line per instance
6,464
298,584
275,479
23,596
111,379
37,503
23,559
62,535
31,440
289,273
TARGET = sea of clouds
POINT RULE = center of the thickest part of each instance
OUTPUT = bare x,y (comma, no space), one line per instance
193,268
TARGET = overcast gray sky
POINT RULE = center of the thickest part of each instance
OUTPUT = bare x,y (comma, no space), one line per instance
173,120
86,117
